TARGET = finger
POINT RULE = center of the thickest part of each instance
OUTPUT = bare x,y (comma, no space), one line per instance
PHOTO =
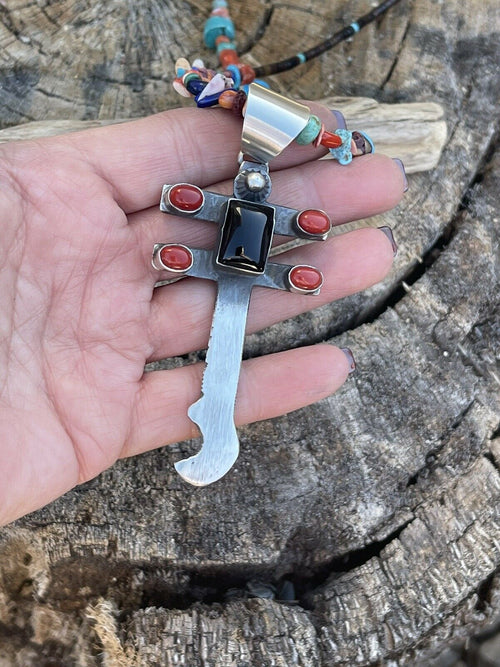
181,313
366,187
198,146
269,386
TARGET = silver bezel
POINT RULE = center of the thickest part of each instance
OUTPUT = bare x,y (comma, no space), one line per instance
160,266
297,290
178,211
307,235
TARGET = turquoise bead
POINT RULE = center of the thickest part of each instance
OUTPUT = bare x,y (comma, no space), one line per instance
236,76
219,3
343,153
216,26
226,45
310,132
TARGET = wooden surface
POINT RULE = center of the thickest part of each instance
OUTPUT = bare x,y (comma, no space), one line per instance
381,504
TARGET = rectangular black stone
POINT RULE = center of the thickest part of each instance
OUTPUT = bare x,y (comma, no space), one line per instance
246,236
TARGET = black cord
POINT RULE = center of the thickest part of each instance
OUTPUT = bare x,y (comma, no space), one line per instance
340,36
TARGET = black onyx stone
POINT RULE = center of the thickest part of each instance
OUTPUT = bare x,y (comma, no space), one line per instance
246,236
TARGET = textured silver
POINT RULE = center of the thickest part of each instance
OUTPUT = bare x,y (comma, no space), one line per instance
214,411
274,277
215,207
241,187
271,123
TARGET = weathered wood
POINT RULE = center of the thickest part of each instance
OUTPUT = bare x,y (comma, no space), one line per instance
414,132
380,504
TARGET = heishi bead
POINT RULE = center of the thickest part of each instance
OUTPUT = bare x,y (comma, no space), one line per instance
186,197
176,257
314,222
330,140
190,76
234,73
305,278
222,46
226,99
215,26
310,132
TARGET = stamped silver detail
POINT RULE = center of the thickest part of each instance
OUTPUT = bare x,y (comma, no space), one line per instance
252,182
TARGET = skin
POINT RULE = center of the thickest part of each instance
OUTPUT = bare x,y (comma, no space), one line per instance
81,315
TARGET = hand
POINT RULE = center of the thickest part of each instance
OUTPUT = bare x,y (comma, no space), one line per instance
81,315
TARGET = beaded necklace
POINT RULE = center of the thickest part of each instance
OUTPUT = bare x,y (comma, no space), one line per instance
229,88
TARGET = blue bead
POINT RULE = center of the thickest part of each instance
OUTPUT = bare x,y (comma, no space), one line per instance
208,101
259,81
343,153
370,141
195,86
301,57
236,76
216,26
219,3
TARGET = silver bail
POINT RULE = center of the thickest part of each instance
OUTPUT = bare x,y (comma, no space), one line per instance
271,123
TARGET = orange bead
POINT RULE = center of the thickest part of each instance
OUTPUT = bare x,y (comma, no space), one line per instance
247,73
330,140
228,57
220,39
226,99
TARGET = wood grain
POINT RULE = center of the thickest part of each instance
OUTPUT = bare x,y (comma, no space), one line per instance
380,504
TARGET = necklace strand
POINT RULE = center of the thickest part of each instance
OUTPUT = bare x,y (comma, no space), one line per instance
327,44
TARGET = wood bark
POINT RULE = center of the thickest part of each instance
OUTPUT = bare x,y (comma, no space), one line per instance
363,530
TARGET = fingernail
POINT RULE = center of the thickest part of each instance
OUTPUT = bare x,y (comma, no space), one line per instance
403,171
388,232
340,120
350,359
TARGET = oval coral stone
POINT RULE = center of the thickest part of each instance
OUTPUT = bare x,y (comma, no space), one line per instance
314,222
176,257
185,197
305,278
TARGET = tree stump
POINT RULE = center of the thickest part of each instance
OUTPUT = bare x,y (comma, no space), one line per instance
363,530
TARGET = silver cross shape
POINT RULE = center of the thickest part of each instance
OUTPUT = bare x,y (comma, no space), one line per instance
238,263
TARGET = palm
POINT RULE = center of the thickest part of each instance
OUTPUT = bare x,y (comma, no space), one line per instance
82,317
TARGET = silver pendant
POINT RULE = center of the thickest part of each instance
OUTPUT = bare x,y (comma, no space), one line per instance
239,263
